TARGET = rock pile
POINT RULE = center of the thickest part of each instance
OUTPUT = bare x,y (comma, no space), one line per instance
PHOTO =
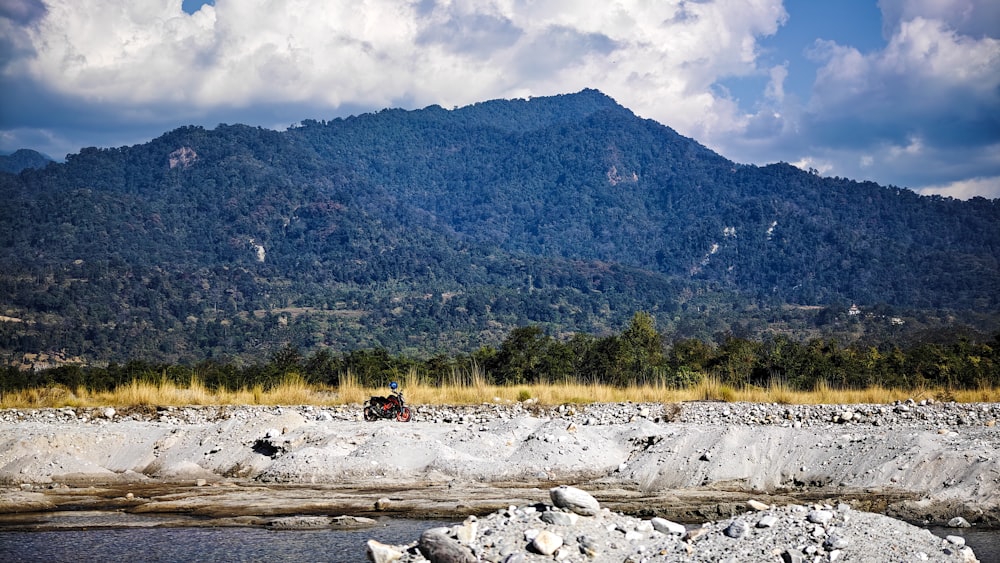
575,528
925,413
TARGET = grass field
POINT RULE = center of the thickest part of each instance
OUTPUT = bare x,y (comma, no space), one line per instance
295,391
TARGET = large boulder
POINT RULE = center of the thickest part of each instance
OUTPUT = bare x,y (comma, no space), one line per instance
575,500
438,546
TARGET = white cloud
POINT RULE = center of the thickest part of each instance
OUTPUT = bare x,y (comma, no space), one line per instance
660,59
924,63
968,17
913,147
922,110
965,189
775,89
934,87
812,163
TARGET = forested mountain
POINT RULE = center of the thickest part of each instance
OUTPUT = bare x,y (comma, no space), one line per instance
22,159
441,230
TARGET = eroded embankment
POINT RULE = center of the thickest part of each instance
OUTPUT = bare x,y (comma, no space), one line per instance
696,461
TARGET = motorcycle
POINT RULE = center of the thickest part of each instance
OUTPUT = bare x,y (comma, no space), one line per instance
390,407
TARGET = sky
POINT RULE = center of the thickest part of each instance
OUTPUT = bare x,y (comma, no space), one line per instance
900,92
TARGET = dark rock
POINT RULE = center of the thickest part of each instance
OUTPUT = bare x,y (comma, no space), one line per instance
588,546
438,547
559,518
737,529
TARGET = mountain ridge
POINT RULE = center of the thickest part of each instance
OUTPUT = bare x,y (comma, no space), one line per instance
429,230
22,159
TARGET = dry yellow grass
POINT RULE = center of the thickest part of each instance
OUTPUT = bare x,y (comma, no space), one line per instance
293,390
471,389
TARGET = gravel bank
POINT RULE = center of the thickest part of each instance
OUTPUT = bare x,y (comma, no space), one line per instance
923,462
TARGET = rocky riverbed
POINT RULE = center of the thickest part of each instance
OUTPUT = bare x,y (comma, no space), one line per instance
572,526
920,461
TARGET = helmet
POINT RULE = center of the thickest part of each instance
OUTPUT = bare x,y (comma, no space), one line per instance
393,385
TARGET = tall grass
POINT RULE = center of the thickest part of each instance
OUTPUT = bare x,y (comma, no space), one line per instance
292,390
469,388
350,391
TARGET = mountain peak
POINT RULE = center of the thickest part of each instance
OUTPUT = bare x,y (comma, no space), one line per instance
538,112
22,159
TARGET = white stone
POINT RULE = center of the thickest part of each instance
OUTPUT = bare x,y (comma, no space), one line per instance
546,542
665,526
382,553
466,531
819,516
574,499
956,540
767,521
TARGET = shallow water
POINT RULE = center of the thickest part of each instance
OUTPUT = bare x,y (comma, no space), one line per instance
984,541
205,544
170,544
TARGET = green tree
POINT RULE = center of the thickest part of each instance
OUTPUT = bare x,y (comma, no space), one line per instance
640,350
736,360
691,354
287,360
521,356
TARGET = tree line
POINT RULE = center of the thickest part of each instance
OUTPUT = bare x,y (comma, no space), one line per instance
638,355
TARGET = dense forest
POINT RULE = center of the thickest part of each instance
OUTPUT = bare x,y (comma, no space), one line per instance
441,232
638,355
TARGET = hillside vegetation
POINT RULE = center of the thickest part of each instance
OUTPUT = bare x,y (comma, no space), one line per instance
442,231
22,159
633,365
